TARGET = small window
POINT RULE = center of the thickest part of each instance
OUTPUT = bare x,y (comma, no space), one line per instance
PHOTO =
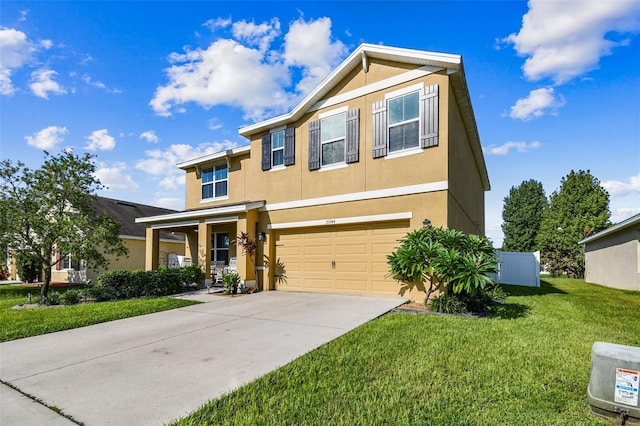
404,122
220,247
215,182
277,148
332,139
71,262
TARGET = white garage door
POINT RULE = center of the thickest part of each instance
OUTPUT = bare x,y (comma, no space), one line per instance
341,259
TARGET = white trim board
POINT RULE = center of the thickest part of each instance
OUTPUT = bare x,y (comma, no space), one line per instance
192,214
359,196
342,220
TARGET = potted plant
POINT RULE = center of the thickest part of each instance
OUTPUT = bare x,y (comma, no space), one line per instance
231,282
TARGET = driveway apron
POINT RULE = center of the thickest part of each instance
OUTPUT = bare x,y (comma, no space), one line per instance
153,369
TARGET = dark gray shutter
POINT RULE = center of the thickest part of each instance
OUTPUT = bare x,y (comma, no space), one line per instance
266,152
314,145
289,146
353,136
429,117
380,132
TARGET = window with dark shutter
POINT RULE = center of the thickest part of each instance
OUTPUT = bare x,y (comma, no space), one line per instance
429,117
380,129
353,136
289,146
266,152
314,145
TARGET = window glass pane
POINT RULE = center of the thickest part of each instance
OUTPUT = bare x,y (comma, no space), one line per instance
404,136
222,240
277,140
395,111
333,152
207,191
333,127
222,255
221,188
278,157
221,172
207,175
411,106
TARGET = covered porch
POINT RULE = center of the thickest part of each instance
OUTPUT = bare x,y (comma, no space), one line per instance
208,237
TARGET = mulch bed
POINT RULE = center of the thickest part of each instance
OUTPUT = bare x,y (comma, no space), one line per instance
421,309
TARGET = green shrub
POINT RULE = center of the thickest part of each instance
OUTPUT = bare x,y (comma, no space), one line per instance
231,282
53,298
28,267
192,274
127,285
72,296
101,293
448,304
119,284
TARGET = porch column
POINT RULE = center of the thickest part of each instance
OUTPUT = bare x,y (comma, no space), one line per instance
270,283
152,249
191,246
204,249
247,223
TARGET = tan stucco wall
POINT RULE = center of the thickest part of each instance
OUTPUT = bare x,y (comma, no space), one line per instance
614,260
466,193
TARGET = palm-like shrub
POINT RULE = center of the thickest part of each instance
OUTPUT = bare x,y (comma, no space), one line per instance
444,260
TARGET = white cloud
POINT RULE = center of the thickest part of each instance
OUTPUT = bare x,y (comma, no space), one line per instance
163,162
100,85
539,102
170,203
310,46
15,51
508,146
214,24
47,44
251,72
564,39
150,136
619,215
620,189
47,138
100,140
214,124
115,177
42,83
261,35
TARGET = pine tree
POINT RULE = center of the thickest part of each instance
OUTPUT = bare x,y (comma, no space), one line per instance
522,215
579,209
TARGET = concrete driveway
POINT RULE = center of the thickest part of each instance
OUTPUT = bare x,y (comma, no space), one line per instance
153,369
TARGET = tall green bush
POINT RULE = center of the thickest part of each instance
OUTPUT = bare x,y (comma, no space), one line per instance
28,266
126,284
444,260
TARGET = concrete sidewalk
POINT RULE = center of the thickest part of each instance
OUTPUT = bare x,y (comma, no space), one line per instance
153,369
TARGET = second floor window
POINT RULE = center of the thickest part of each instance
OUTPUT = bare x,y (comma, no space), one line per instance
215,182
277,148
404,122
332,136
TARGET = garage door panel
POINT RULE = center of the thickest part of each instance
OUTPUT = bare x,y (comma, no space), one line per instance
359,252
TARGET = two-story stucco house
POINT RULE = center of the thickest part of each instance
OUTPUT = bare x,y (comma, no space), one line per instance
385,142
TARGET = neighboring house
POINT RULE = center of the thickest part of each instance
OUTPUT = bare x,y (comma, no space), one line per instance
612,256
72,269
386,142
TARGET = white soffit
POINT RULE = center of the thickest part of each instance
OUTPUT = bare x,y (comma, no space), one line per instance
342,220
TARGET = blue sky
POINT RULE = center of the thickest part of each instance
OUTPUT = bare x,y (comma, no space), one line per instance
555,86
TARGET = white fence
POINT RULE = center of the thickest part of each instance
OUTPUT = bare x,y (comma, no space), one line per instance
518,268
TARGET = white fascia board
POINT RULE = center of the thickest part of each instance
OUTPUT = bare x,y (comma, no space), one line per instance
215,156
226,219
342,220
239,208
174,224
633,220
162,240
359,196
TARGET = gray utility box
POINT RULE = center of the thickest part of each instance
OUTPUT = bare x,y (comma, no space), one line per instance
614,382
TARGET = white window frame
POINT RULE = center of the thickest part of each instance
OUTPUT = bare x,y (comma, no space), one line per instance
213,182
215,248
329,114
402,123
281,149
66,263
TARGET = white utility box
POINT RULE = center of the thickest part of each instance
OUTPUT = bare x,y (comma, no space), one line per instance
614,382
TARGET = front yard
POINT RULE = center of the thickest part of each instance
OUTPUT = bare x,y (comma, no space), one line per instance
19,323
529,363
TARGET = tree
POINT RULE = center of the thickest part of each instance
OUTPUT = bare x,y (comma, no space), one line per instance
49,210
522,215
579,209
445,258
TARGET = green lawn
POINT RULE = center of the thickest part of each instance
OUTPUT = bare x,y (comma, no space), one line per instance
528,364
19,323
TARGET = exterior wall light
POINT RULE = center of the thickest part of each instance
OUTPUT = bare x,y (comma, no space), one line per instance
426,223
262,236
